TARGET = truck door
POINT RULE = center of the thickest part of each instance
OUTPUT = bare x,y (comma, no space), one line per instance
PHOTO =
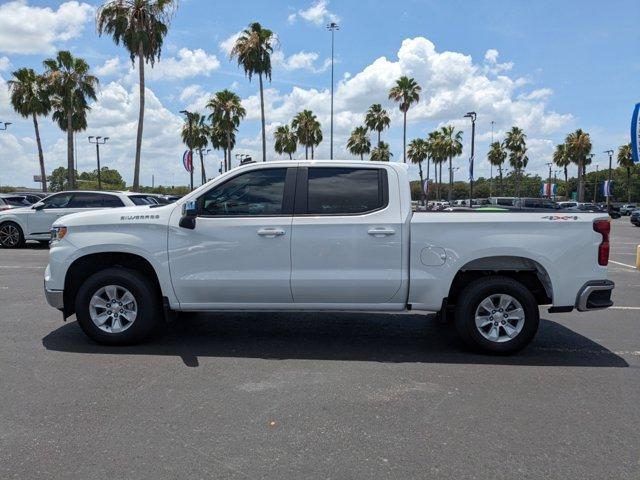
238,254
346,246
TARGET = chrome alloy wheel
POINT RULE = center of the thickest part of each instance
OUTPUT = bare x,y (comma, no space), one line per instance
499,318
9,235
113,309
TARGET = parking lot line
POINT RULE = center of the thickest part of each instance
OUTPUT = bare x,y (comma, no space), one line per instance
623,264
22,267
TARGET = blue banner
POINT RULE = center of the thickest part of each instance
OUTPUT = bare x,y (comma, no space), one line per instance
635,133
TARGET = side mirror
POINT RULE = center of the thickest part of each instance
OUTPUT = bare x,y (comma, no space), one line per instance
189,214
38,206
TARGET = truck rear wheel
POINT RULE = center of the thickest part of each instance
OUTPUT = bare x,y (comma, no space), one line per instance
118,306
496,315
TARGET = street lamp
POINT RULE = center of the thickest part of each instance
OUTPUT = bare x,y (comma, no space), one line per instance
610,153
333,26
6,124
98,141
472,116
491,164
595,185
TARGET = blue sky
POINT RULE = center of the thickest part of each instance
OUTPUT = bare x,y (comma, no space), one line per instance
549,67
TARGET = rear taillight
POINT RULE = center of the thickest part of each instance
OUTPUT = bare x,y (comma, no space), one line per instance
603,227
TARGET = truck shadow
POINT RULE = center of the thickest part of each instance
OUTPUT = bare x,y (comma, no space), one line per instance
338,336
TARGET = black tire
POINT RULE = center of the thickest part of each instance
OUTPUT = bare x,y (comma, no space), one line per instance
146,296
479,290
7,236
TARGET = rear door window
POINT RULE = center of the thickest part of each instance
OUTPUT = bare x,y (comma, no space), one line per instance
345,191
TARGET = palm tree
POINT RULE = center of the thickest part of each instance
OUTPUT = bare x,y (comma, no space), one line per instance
451,145
285,141
578,147
515,144
253,49
626,160
72,85
406,91
30,98
201,134
227,112
562,160
140,25
221,140
497,156
381,153
434,140
307,129
419,152
359,142
377,119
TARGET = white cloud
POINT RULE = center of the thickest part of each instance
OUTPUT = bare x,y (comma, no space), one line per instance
317,13
186,64
29,29
300,61
491,62
5,64
111,67
190,92
227,44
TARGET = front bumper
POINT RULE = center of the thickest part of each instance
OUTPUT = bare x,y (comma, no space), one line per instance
55,298
595,295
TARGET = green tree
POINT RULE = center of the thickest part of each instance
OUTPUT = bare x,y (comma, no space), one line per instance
140,25
625,160
253,50
435,143
307,129
419,152
451,146
222,140
226,113
30,98
578,147
381,153
405,92
72,85
285,140
377,119
359,142
515,144
109,178
497,156
562,160
58,180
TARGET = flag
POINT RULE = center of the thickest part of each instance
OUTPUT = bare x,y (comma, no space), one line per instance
471,169
548,190
635,134
187,161
607,188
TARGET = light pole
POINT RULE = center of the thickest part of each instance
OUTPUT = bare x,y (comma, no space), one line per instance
203,152
595,186
4,125
549,165
97,143
491,164
610,153
333,26
472,116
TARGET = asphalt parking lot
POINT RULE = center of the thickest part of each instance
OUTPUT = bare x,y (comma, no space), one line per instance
318,396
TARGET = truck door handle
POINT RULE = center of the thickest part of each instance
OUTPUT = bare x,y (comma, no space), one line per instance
271,232
381,231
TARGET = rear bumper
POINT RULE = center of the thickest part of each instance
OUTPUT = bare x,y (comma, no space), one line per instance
595,295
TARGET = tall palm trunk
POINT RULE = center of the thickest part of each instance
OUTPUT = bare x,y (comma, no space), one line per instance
191,170
136,168
224,167
450,179
40,154
566,182
311,151
440,181
501,184
202,172
306,152
264,138
379,131
422,181
228,149
71,180
361,156
628,184
404,137
290,156
581,170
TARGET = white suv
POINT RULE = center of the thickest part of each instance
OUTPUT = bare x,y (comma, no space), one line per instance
34,222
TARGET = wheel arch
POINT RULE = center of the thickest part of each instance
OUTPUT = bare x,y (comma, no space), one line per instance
527,271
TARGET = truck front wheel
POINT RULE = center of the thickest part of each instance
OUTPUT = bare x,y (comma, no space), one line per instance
118,306
496,315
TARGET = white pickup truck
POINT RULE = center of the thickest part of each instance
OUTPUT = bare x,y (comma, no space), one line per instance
328,236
